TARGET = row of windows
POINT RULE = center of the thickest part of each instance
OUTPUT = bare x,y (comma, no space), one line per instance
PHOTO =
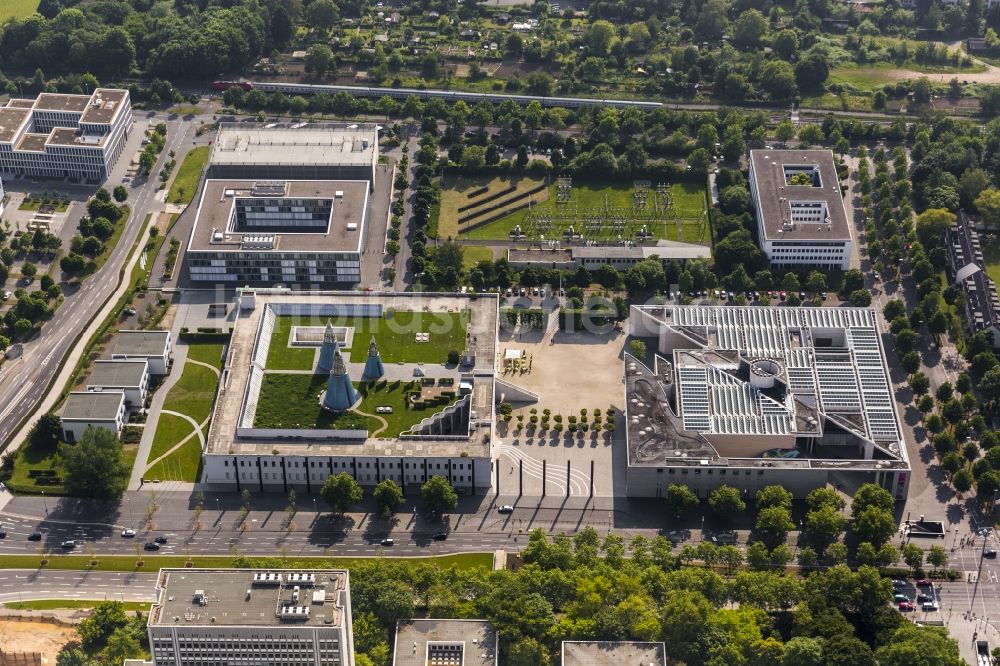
722,472
320,464
269,476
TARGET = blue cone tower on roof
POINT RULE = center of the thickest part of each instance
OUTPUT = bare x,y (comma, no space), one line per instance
330,345
373,366
340,394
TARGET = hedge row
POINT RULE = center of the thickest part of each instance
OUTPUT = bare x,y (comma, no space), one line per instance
479,192
492,197
501,204
575,320
499,216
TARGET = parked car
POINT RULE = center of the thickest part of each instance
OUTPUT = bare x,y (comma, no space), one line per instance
923,582
900,597
925,597
439,536
929,606
151,545
130,312
899,583
906,606
506,508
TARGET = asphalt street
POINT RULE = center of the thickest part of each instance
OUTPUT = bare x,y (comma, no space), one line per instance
25,584
25,380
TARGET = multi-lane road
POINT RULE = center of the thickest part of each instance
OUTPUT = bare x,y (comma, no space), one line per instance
26,584
25,381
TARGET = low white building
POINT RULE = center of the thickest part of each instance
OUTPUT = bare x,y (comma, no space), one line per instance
801,216
154,347
85,409
131,377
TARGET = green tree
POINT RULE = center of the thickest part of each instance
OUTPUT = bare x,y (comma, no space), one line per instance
341,491
988,205
784,131
726,501
388,497
803,651
437,496
871,495
121,194
95,466
680,499
774,523
528,652
911,645
750,30
638,348
821,497
106,618
937,557
322,14
319,58
931,226
874,525
823,526
913,555
774,496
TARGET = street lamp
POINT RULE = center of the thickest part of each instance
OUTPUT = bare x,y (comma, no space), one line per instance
45,504
217,508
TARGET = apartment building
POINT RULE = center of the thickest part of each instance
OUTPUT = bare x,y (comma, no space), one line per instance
65,136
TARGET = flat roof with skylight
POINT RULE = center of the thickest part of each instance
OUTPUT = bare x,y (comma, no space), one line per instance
602,653
798,195
280,216
238,144
445,643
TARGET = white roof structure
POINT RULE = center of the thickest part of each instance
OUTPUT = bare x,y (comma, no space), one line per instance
780,373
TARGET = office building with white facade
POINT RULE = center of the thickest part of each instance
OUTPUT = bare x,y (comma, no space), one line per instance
153,347
279,232
453,438
131,377
755,396
65,136
285,205
802,220
206,617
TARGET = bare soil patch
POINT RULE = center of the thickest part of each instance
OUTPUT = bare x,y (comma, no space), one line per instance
29,636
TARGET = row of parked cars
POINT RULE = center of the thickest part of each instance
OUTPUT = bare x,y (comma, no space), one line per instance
925,596
750,296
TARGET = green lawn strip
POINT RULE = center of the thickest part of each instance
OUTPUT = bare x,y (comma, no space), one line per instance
184,464
170,430
206,352
594,197
193,393
59,604
18,9
394,336
155,562
292,401
186,181
472,254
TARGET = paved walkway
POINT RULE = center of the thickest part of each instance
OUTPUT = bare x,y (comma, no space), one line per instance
153,416
196,432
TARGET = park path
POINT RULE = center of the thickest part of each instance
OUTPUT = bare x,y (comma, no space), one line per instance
197,431
385,424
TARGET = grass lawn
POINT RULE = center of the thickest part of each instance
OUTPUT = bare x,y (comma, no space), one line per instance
454,193
689,223
186,181
394,337
193,393
863,77
170,429
184,464
206,352
36,458
153,563
991,253
35,205
58,604
471,254
17,9
290,401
